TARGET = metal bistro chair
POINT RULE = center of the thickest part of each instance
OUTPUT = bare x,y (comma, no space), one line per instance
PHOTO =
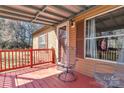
67,65
114,78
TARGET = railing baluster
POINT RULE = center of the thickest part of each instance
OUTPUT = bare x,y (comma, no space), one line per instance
0,60
5,60
12,60
111,55
9,59
48,55
116,55
19,57
25,57
16,58
103,54
41,57
31,56
34,56
38,56
22,59
47,52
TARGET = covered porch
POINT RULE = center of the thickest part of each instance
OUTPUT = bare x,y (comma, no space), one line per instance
65,27
36,68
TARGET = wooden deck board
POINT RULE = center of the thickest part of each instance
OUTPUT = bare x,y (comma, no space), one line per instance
42,76
2,79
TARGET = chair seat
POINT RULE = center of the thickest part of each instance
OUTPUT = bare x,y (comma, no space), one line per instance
60,64
103,76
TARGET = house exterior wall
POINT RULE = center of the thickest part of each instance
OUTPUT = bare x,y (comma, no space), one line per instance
51,40
76,40
52,36
84,65
35,41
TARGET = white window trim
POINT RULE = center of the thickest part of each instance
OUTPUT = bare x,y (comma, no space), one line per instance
95,59
106,36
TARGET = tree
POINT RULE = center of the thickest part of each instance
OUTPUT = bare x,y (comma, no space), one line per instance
16,34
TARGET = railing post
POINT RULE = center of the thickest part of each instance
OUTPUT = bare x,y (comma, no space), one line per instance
53,55
0,60
31,57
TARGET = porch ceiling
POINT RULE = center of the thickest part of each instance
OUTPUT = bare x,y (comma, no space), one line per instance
43,14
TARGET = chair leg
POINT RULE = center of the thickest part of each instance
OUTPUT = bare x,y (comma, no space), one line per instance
63,76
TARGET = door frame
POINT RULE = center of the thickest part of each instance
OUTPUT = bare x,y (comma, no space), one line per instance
67,29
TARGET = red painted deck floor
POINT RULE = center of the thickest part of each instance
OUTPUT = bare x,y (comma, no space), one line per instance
42,76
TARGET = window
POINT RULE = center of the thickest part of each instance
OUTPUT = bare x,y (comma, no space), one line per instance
43,41
105,36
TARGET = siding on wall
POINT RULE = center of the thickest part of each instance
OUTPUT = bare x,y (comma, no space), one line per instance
52,40
35,41
86,66
72,42
50,30
72,35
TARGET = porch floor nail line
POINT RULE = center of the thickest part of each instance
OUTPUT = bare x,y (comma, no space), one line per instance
43,76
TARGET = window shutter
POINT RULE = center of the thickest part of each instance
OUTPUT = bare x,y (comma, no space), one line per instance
80,39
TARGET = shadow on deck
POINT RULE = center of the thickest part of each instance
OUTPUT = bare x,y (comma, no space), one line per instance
43,76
